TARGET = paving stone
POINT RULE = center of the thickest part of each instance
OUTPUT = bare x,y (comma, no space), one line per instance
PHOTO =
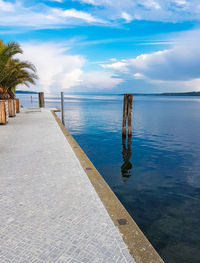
50,212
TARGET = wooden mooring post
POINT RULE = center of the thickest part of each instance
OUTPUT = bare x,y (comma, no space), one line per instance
127,114
41,99
62,108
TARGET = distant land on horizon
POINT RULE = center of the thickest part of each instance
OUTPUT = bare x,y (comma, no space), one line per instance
192,93
25,92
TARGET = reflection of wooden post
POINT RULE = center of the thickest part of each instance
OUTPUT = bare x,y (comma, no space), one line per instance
127,113
41,99
126,155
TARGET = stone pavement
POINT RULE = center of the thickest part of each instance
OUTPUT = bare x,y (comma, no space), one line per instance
50,212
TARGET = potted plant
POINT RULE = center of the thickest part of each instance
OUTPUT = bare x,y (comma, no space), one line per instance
4,115
13,72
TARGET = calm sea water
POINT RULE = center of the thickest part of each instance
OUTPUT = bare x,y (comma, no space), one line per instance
156,173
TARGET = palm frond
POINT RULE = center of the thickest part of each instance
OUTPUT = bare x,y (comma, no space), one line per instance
12,70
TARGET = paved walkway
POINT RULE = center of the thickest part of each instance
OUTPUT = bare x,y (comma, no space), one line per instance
49,211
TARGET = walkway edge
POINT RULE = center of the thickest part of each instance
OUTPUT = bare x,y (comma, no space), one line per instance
139,246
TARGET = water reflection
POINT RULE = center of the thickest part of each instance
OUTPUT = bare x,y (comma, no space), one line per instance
126,155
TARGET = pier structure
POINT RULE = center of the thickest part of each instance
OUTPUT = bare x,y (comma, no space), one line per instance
55,206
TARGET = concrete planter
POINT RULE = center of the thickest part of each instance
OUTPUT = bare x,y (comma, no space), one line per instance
4,114
11,107
17,105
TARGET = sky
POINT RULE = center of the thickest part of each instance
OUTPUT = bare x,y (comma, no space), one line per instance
107,46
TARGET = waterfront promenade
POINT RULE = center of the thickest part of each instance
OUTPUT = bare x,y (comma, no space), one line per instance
50,211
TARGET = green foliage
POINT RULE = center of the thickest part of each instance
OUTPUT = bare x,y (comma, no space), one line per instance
12,70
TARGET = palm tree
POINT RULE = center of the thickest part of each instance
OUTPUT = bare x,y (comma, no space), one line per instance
13,71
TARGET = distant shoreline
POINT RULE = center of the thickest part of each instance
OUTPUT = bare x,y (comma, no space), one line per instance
193,93
25,92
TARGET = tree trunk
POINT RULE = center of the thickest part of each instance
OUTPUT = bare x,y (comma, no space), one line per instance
4,111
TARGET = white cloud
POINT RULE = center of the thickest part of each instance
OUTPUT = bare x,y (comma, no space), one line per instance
113,59
138,76
127,17
100,80
57,70
118,65
151,4
73,13
58,1
156,10
42,16
6,6
181,2
180,64
124,4
105,12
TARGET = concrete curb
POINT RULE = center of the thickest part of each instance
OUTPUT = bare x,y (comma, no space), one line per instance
139,247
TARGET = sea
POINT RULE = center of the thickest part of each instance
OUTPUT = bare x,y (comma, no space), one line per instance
155,173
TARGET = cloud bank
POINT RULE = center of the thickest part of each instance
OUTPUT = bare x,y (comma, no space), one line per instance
42,16
99,12
100,80
60,71
177,67
57,70
156,10
180,64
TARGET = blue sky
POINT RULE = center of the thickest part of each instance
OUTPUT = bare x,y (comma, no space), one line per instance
108,46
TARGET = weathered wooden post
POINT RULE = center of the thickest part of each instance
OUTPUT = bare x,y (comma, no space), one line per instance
62,108
127,113
41,99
